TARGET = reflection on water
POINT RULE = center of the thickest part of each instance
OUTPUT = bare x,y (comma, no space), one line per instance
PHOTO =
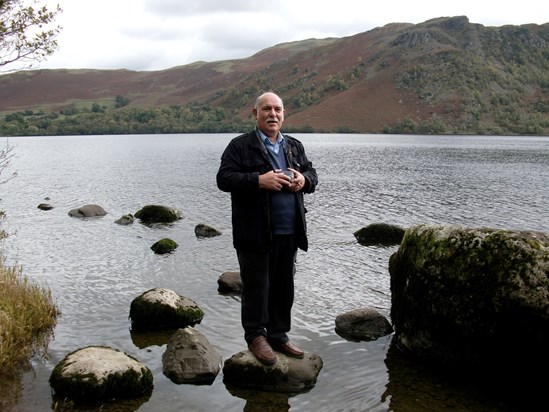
95,267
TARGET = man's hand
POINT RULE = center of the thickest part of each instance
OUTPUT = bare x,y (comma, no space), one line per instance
298,182
274,181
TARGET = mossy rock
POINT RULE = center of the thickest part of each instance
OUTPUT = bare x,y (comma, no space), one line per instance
379,234
163,246
96,374
158,214
470,296
161,308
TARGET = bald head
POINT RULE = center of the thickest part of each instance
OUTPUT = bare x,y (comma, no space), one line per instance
268,112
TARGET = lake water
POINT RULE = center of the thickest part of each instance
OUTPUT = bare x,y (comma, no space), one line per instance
95,268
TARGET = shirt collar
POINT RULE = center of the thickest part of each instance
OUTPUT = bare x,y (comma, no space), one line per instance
267,141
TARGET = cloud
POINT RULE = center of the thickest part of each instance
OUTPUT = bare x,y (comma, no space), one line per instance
159,34
189,8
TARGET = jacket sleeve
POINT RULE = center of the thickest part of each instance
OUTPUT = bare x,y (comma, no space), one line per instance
305,166
234,172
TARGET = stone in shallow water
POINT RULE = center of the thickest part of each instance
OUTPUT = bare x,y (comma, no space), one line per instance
90,210
473,296
229,282
287,374
363,324
97,373
161,308
158,214
379,234
202,231
189,358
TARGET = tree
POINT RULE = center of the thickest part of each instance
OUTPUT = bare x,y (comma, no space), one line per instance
26,34
121,101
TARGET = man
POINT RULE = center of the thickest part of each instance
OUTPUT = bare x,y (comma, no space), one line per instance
267,173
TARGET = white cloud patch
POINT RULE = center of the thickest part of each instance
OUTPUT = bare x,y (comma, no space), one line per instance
188,8
159,34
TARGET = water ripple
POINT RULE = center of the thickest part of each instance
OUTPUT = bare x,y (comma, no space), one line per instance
96,267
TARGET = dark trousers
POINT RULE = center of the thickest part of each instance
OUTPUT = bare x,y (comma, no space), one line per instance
268,289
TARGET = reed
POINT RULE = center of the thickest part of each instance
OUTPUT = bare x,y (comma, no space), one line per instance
28,316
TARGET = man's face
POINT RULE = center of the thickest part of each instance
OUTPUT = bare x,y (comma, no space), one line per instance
270,115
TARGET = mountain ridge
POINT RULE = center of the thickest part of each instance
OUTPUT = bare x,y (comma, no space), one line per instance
445,75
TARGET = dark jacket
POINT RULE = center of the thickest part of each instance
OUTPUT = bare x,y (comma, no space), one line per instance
244,159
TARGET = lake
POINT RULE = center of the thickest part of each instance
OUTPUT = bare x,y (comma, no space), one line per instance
95,267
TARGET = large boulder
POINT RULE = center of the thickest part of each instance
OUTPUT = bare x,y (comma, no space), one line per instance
97,373
161,308
463,296
158,214
292,375
190,358
90,210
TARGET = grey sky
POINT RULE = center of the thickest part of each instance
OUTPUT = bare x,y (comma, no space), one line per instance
159,34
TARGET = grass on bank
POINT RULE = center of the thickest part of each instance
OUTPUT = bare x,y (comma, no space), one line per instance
28,316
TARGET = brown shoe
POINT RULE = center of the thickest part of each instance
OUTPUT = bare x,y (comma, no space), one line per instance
288,348
261,349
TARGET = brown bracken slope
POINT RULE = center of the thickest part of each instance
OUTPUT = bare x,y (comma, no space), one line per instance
445,71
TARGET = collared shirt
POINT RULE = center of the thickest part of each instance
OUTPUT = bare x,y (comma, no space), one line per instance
273,147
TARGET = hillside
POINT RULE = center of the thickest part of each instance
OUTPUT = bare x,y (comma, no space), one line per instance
445,75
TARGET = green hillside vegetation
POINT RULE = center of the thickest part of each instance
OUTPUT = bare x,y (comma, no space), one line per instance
443,76
106,119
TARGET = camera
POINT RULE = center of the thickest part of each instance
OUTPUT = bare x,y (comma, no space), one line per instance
288,173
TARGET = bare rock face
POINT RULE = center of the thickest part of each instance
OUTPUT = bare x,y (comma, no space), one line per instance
189,358
288,375
161,308
463,296
96,373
